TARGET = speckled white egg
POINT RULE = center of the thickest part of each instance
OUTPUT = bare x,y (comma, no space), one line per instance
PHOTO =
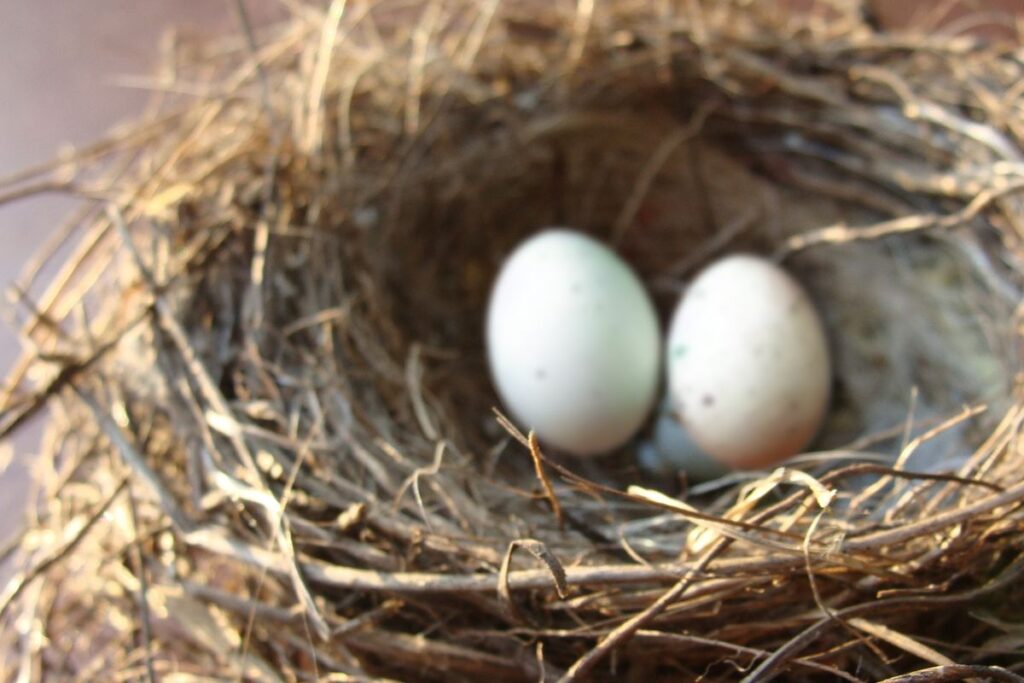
573,342
748,363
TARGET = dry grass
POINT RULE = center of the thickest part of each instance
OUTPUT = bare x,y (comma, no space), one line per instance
270,450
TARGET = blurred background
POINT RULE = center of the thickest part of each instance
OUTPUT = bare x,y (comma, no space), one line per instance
66,81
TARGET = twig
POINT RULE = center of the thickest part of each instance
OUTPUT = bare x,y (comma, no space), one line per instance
140,570
901,640
541,552
173,328
676,639
538,466
841,233
956,672
582,666
769,668
21,581
12,417
131,457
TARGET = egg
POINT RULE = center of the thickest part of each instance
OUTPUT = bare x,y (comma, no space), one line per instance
671,449
573,342
748,363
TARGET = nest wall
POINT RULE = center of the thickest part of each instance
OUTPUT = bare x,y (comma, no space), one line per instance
271,448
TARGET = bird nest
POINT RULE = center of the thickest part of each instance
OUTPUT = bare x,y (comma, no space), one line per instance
272,450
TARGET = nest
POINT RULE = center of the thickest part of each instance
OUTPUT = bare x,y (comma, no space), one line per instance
271,447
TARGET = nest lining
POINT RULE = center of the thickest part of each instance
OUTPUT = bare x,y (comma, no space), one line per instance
271,450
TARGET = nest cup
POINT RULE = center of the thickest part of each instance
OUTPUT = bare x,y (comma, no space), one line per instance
270,448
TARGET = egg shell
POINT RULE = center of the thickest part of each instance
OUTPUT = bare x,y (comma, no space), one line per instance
573,342
748,363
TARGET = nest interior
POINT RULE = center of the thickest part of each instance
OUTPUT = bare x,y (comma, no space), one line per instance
271,450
